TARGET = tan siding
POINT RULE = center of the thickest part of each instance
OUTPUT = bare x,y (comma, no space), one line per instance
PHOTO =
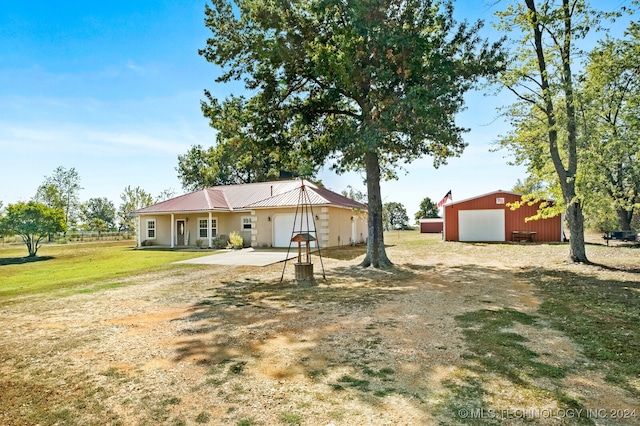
263,236
334,222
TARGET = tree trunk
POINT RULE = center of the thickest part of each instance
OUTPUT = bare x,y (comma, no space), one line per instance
577,252
31,245
566,176
376,255
624,219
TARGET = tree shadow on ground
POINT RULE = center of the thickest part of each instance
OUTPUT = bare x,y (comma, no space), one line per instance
344,252
630,270
22,260
338,334
289,330
347,252
600,316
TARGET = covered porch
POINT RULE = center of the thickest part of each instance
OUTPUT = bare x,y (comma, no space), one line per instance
209,229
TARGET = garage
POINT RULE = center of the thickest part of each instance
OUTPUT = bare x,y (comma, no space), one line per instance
283,228
489,217
481,225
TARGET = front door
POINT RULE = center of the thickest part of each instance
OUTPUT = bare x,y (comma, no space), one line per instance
181,230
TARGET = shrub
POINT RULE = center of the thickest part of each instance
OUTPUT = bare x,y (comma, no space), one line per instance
199,243
236,239
219,243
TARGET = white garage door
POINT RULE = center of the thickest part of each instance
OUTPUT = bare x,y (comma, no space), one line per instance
283,227
481,225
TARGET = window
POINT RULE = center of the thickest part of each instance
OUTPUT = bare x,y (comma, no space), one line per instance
151,228
499,200
246,223
203,228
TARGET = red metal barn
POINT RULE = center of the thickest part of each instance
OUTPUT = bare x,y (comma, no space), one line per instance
488,218
431,225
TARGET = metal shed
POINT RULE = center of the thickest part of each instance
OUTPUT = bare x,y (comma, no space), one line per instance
431,225
488,218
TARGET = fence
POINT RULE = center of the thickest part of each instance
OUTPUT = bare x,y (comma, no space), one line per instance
77,237
80,237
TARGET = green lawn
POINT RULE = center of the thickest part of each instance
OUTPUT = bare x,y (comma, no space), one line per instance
79,267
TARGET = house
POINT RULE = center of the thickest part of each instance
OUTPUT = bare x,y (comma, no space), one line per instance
263,213
488,218
431,225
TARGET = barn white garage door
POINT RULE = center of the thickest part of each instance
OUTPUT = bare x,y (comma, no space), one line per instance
283,225
481,225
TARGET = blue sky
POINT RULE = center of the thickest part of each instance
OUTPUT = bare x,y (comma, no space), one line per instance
114,88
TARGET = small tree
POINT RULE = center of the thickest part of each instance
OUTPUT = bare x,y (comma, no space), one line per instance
132,200
3,227
99,214
395,216
61,191
428,209
355,194
32,222
166,194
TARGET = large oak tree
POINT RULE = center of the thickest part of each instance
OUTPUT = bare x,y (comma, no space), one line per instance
358,84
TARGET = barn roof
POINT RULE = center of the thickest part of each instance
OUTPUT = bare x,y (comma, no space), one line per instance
499,191
251,196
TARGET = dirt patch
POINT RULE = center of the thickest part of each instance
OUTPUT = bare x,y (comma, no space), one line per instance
223,345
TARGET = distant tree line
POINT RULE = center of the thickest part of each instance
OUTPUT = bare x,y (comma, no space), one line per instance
56,208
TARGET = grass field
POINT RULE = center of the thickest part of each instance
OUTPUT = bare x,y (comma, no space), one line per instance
79,267
453,334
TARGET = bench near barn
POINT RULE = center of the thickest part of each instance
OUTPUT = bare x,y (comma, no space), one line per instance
523,236
620,236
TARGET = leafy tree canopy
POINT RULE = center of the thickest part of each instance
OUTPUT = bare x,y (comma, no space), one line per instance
132,200
605,136
427,209
355,194
231,162
98,214
543,76
239,155
61,191
356,84
611,127
395,216
32,222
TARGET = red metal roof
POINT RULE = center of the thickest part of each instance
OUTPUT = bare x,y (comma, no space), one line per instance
203,200
249,196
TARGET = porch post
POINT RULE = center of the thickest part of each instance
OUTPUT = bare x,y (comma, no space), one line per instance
138,231
210,231
173,230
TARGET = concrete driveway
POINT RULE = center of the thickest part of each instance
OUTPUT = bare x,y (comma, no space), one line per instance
245,257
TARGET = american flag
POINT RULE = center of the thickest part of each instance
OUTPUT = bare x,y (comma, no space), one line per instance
444,200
